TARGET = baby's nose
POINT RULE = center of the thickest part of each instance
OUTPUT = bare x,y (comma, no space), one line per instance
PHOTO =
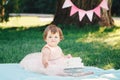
53,39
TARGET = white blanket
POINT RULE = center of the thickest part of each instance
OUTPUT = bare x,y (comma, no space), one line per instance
13,71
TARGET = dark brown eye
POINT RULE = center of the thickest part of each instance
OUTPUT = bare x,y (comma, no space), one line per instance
56,37
49,37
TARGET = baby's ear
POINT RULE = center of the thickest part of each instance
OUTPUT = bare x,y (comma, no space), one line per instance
60,39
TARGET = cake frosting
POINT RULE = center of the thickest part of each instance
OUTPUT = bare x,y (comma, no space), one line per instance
75,62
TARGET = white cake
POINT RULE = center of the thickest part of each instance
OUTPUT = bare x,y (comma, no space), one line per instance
75,62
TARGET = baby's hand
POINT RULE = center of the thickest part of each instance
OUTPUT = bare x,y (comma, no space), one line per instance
69,56
45,65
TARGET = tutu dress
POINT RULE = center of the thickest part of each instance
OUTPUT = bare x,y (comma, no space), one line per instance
33,62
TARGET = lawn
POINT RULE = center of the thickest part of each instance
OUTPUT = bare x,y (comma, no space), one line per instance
97,46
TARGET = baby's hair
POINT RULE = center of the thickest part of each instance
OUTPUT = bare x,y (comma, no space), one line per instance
53,29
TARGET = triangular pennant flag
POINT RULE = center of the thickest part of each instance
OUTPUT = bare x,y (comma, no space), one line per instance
67,3
74,9
97,11
81,14
90,14
104,4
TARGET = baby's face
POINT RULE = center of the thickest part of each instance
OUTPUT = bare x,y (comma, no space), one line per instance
52,39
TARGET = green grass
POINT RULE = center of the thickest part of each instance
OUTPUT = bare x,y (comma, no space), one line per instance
97,46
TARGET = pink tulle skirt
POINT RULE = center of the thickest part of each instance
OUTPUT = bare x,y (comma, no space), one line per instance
33,62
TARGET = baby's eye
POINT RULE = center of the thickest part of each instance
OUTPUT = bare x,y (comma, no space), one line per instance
56,37
50,37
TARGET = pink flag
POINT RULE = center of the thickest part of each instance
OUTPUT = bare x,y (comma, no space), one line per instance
97,11
81,14
74,9
104,4
67,3
90,14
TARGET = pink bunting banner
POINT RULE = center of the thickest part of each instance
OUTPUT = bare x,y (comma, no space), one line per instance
67,3
82,13
104,5
74,9
97,11
90,14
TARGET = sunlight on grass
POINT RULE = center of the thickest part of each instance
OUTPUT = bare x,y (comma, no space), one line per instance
90,38
111,38
117,21
25,21
31,21
108,66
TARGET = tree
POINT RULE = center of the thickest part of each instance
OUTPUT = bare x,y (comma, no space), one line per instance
62,16
2,10
6,7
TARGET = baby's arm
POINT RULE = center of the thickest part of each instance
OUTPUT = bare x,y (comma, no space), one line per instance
45,56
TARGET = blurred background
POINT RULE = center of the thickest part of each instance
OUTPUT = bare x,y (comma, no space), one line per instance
40,7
